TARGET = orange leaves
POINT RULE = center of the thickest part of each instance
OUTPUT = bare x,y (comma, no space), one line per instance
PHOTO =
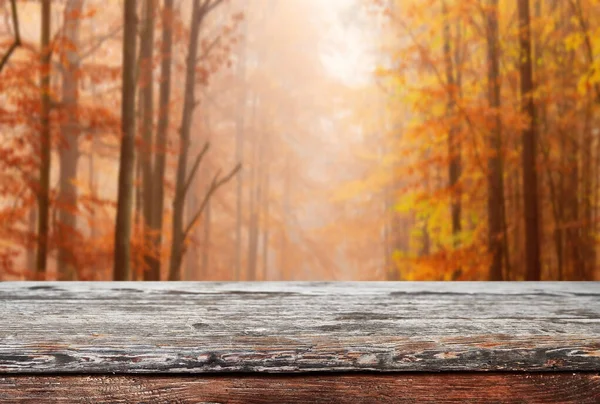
431,111
98,74
216,50
447,265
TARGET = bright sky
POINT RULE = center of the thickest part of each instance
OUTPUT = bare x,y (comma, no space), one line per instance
346,54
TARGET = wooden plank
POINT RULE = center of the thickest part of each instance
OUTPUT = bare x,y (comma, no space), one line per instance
298,327
546,388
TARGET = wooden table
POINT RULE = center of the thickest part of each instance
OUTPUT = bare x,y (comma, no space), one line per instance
300,342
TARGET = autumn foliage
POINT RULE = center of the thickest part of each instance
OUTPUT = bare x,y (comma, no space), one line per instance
300,139
438,82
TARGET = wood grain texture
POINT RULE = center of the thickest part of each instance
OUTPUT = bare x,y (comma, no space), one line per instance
563,388
298,327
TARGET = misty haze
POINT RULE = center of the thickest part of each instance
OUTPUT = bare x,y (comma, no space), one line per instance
299,139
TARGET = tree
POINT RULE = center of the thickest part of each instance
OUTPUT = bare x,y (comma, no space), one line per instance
17,41
152,272
69,151
45,142
122,265
161,133
239,150
529,139
453,146
200,11
495,171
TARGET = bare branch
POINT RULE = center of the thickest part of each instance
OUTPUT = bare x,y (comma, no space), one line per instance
209,48
197,162
12,48
214,186
17,41
208,5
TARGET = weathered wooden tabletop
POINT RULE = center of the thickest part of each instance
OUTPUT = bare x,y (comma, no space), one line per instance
268,334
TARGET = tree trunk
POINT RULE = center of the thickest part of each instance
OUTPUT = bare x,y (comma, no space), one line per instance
206,243
45,143
147,94
69,152
183,179
95,265
17,41
587,237
239,152
177,244
255,190
203,271
32,226
191,259
423,222
162,132
286,219
122,265
254,225
529,139
495,174
138,200
573,215
265,241
454,166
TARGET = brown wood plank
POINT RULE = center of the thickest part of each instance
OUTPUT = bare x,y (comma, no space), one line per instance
561,388
275,327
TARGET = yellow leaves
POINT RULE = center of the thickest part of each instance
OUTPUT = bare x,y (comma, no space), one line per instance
406,204
587,81
465,263
574,41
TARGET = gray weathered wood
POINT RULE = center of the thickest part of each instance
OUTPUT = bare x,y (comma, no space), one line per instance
298,327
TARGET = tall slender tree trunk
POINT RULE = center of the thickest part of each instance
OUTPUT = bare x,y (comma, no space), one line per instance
265,241
138,201
183,179
572,208
95,265
529,139
556,207
562,194
388,250
239,152
255,208
203,271
178,236
147,94
69,152
122,264
206,243
495,174
255,197
286,215
560,236
191,258
454,166
137,270
32,226
587,237
162,132
45,143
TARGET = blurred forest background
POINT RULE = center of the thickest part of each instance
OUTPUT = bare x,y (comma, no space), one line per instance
299,139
